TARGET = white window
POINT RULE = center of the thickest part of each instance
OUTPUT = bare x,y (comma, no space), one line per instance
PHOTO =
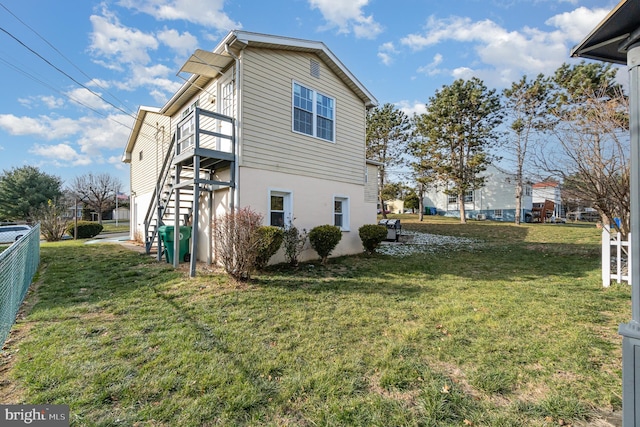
279,208
313,113
227,99
186,127
497,213
468,196
341,212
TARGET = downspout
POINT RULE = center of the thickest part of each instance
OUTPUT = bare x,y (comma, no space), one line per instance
236,184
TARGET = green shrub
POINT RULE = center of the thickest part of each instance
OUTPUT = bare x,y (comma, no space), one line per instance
372,235
324,239
269,241
294,241
86,229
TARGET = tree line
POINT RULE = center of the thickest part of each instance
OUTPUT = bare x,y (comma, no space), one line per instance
571,127
29,195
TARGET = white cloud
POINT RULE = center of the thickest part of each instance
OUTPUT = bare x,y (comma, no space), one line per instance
44,127
208,13
61,154
86,98
432,69
347,17
105,133
411,107
184,44
578,23
503,55
90,135
386,52
114,41
52,102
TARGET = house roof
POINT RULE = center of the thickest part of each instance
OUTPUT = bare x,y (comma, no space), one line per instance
612,37
546,184
205,65
135,131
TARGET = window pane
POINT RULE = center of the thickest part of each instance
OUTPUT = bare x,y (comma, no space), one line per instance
468,196
302,121
324,109
325,106
337,206
302,98
325,129
277,203
277,219
337,220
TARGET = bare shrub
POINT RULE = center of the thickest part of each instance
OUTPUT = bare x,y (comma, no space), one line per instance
52,224
236,239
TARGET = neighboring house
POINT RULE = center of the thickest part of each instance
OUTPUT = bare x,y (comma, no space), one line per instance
394,206
552,191
495,201
271,123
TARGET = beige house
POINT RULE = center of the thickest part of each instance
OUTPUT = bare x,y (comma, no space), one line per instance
267,122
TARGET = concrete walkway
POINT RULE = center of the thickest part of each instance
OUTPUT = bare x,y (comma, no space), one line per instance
119,238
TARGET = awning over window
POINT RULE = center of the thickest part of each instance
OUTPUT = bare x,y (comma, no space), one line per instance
205,63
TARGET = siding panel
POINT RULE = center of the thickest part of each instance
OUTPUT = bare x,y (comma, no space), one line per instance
268,139
153,144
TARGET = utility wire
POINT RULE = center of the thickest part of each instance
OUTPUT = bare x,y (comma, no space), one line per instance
51,87
60,53
78,83
64,73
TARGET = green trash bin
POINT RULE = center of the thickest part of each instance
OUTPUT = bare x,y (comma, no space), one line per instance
167,236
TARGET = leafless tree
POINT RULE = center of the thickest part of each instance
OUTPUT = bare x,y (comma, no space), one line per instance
591,149
98,192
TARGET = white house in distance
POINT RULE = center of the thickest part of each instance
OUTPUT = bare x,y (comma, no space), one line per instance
549,190
495,201
272,123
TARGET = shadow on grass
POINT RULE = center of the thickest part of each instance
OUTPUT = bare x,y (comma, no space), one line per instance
411,274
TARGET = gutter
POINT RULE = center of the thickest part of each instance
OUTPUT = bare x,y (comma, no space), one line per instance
235,198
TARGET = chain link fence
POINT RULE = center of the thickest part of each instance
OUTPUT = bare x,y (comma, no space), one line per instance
18,264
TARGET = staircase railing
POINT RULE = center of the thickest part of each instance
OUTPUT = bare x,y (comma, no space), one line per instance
150,233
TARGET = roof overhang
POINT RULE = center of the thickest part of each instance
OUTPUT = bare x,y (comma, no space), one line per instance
612,37
135,130
205,65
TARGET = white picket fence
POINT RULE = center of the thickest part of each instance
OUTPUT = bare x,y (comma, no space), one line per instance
616,256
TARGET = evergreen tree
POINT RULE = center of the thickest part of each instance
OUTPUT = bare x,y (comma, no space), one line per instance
24,190
458,130
387,132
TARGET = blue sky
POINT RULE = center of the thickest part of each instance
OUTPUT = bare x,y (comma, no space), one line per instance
54,59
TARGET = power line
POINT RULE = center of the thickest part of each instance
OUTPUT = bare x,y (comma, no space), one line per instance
61,54
66,95
133,116
63,72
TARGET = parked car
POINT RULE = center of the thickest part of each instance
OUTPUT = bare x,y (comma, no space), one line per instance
11,233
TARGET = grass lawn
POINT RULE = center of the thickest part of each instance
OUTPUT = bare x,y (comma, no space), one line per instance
514,331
